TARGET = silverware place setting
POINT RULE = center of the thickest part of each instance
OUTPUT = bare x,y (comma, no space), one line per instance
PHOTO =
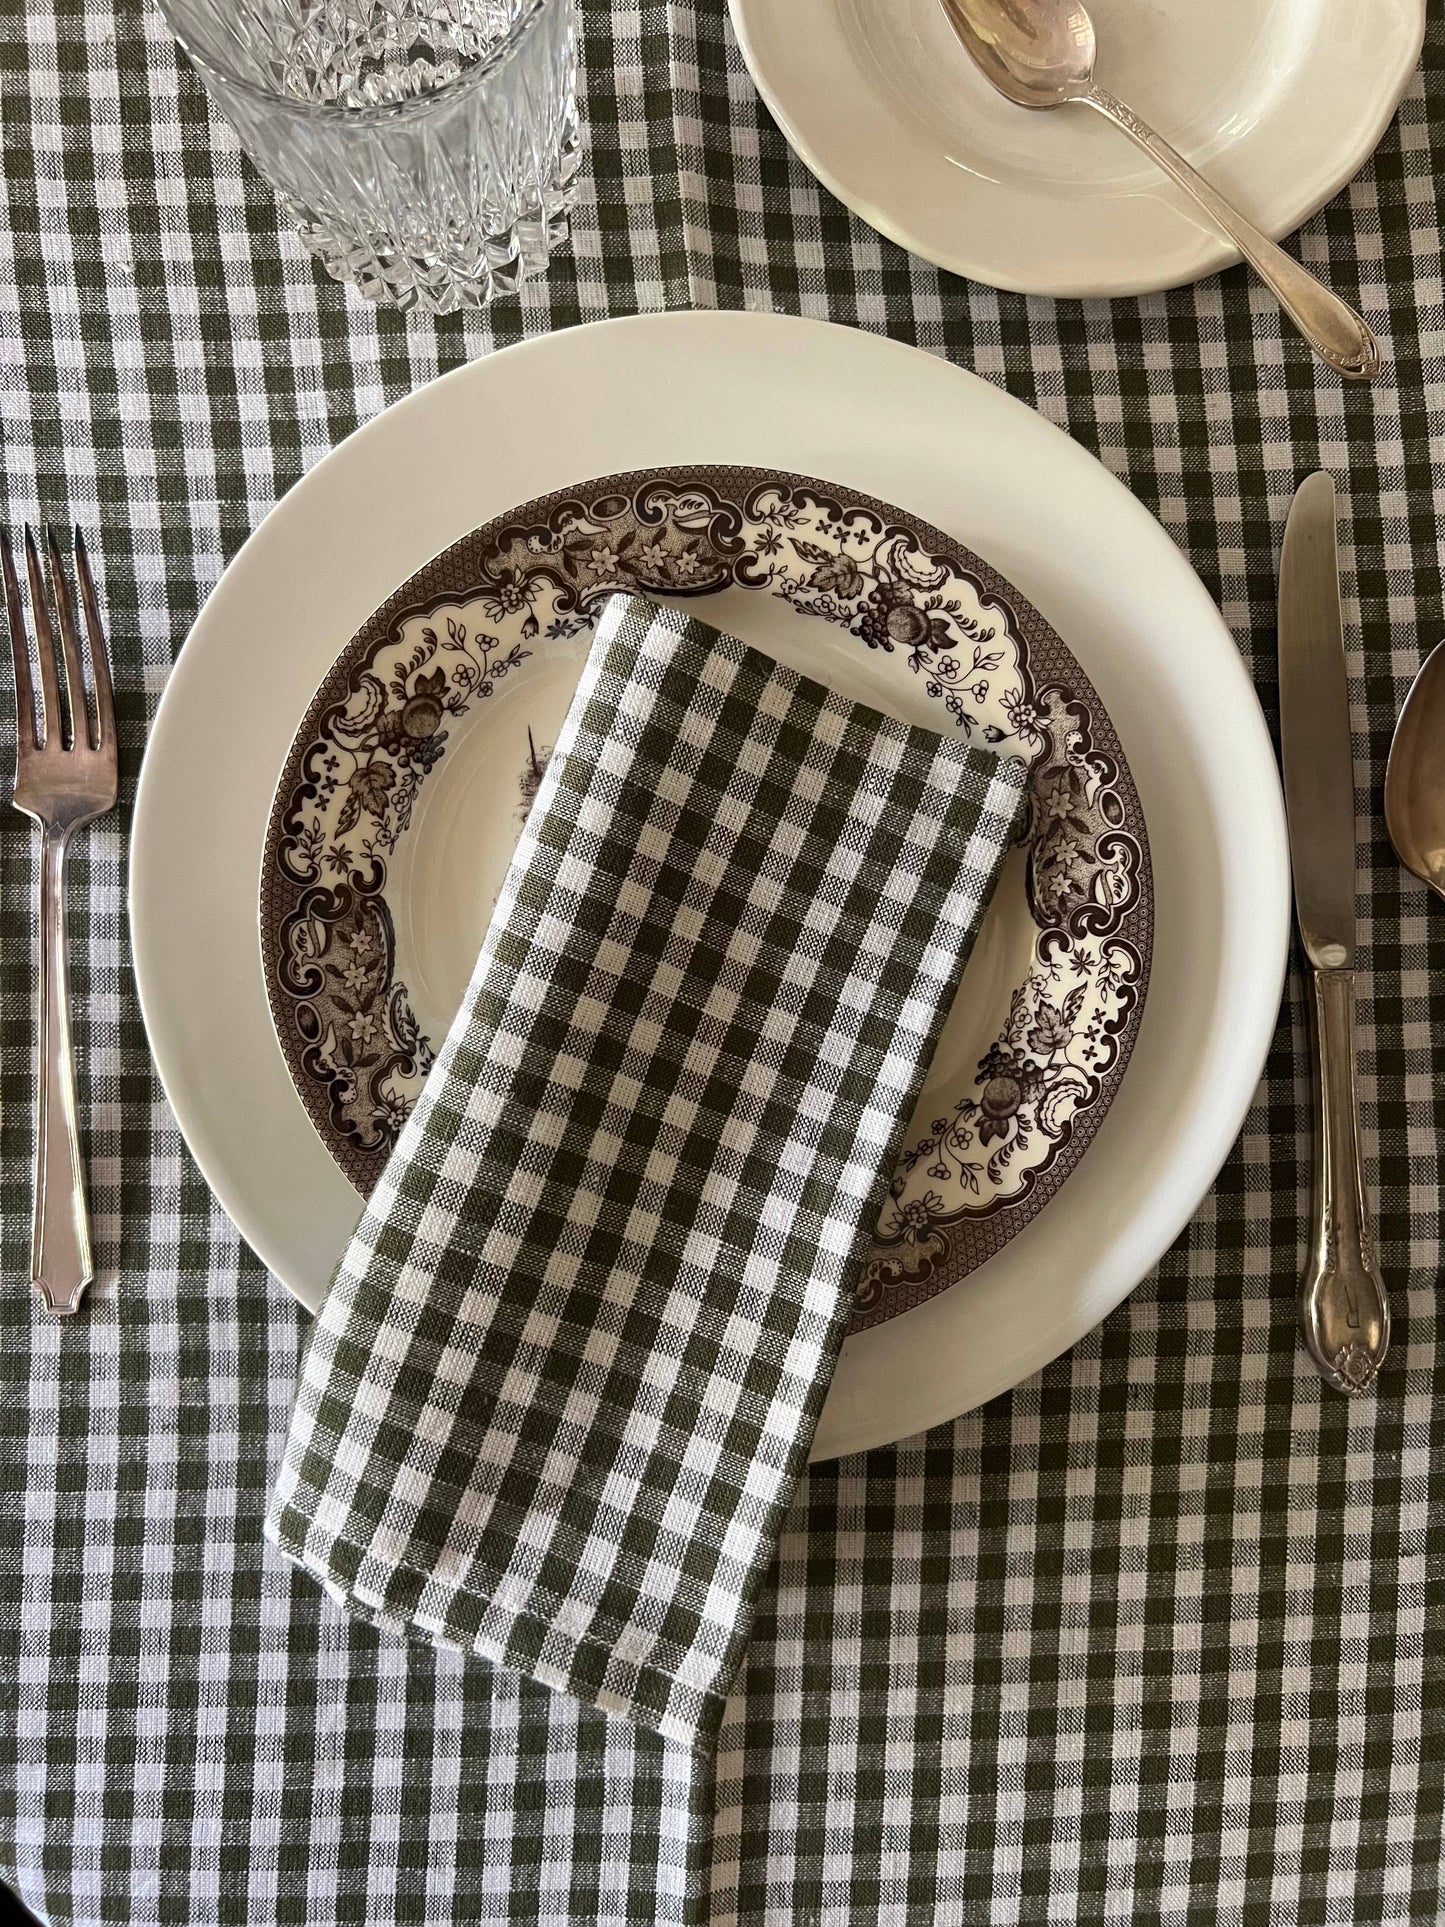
65,777
1344,1312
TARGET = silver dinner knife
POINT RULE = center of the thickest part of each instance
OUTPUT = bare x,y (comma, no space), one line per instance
1344,1314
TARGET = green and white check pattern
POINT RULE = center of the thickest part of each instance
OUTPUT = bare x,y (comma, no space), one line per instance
565,1383
1159,1638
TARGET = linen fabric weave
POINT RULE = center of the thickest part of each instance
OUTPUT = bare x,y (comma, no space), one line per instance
1157,1638
558,1399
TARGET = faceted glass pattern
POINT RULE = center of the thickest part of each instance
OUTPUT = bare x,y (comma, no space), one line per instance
426,149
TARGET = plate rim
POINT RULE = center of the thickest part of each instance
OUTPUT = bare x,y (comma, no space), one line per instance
1226,1081
419,594
1210,255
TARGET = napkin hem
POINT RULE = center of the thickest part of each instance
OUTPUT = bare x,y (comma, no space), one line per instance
407,1598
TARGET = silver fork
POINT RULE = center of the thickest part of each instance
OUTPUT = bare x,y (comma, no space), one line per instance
65,775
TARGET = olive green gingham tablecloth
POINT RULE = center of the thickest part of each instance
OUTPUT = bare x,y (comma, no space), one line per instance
1157,1638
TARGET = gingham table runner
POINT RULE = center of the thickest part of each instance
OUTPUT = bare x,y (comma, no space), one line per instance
1157,1638
565,1382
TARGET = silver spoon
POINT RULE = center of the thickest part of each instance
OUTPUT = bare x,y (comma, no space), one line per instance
1415,776
1040,53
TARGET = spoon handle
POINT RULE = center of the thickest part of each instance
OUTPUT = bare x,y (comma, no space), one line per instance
1332,328
1344,1314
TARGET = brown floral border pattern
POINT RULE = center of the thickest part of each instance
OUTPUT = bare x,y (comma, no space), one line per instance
381,722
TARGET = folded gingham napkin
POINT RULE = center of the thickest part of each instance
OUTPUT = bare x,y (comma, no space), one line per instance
559,1397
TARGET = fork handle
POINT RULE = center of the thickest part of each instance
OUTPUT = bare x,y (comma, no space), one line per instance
60,1263
1331,327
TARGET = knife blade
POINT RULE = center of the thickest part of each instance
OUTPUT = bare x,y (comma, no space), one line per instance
1314,723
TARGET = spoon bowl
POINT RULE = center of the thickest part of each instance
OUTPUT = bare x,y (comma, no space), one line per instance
1415,776
1038,53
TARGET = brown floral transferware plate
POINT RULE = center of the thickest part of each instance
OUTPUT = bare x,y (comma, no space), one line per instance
405,787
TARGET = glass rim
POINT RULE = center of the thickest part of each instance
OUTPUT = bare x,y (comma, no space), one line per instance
384,110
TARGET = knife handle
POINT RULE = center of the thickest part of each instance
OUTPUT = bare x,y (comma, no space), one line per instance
1344,1314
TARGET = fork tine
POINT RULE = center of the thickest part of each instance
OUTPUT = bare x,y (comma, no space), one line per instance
19,649
51,717
69,642
99,656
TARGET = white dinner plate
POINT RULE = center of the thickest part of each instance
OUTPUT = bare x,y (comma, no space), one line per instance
1278,102
775,393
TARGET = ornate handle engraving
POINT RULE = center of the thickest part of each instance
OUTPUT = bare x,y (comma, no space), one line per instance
1344,1314
1336,333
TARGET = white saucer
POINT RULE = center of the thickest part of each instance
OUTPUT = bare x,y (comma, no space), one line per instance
1279,102
894,423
